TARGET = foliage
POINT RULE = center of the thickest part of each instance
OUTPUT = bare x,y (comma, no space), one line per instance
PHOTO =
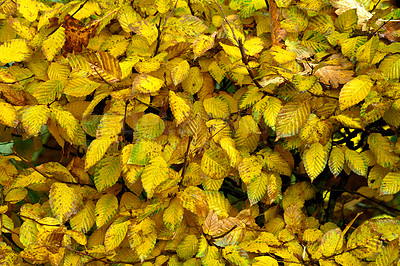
199,132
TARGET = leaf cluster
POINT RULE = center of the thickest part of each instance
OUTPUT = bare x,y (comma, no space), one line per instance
199,132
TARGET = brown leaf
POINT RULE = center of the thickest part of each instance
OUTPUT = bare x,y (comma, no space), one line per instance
77,34
334,75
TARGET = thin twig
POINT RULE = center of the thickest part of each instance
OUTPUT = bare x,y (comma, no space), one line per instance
161,28
224,234
106,261
40,172
34,220
239,42
65,21
368,198
10,83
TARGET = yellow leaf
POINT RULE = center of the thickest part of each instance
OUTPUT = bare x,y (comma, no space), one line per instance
194,81
106,208
187,248
194,199
96,150
257,187
304,83
28,232
354,91
292,117
126,16
143,151
162,5
173,215
149,126
228,144
356,161
180,72
84,219
145,29
232,51
15,50
22,30
202,44
35,253
316,130
27,180
247,135
264,260
250,97
64,201
34,117
218,203
53,44
217,107
275,162
214,163
16,195
236,255
382,148
233,29
315,159
145,83
104,65
8,115
142,237
331,242
336,160
110,125
282,56
29,9
250,169
67,121
253,45
216,72
269,109
179,107
390,183
107,172
115,234
154,173
58,71
79,87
